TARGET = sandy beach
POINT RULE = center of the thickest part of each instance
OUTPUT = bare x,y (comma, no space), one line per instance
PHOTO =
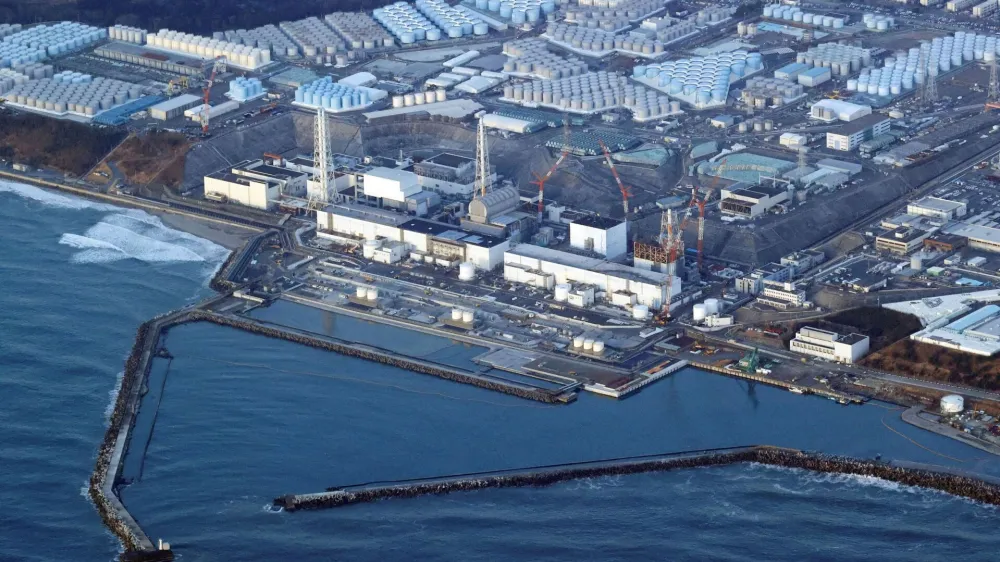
227,236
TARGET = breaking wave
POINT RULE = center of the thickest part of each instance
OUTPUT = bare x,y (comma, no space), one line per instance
51,198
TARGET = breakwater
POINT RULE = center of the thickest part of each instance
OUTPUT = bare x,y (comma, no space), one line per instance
383,356
958,484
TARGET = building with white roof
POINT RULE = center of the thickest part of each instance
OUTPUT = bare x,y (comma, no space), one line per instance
937,207
389,183
980,237
843,348
833,110
545,268
977,332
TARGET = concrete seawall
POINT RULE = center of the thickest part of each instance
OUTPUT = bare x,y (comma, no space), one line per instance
968,486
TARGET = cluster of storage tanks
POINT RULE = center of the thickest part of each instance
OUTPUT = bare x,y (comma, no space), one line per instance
359,30
702,81
711,307
951,52
588,345
713,15
313,36
243,89
744,29
407,24
73,92
128,34
795,14
454,21
756,125
242,56
267,37
593,92
58,39
463,316
518,11
596,40
878,22
12,54
9,29
331,95
419,98
839,58
532,56
611,19
774,90
10,78
891,80
677,31
366,293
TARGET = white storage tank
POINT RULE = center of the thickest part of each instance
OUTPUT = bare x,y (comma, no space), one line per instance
711,306
699,313
368,250
456,314
562,292
588,344
372,294
467,271
598,346
468,316
640,312
361,292
952,404
578,342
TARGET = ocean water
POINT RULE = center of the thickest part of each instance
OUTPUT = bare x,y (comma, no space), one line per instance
243,419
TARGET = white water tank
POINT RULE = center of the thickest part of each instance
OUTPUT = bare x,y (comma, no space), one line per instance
917,262
562,292
588,344
711,306
361,292
368,250
952,404
699,313
372,294
456,314
466,271
578,342
468,316
598,346
640,312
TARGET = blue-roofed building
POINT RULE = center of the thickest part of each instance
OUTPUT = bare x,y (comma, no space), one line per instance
814,76
791,71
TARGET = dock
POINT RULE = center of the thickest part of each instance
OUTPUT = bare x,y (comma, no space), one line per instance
841,397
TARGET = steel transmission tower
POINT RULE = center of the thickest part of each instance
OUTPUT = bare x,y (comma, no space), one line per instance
483,183
993,94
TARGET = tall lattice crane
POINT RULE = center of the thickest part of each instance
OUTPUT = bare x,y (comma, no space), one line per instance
218,66
626,192
540,180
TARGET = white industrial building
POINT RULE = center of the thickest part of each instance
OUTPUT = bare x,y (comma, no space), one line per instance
389,183
977,332
980,237
843,348
545,268
793,140
833,110
428,241
449,175
781,294
174,107
254,184
938,208
850,135
751,202
195,113
601,235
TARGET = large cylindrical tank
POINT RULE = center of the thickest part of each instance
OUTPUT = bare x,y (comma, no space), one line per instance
361,292
711,306
456,314
368,250
588,344
598,347
468,316
952,404
578,342
372,294
640,312
699,313
466,271
917,262
562,292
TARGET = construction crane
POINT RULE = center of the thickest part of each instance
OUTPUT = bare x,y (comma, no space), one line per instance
218,66
177,85
540,180
626,192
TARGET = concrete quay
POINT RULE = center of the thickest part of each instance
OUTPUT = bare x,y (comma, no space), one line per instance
954,482
832,394
912,417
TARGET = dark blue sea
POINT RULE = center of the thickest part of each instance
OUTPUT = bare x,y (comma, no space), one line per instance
240,419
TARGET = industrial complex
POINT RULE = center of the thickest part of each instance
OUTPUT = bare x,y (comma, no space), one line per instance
595,193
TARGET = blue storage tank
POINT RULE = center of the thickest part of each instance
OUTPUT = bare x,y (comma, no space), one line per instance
638,71
345,101
335,103
493,5
505,10
433,34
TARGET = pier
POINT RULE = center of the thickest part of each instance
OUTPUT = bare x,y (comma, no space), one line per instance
827,393
951,481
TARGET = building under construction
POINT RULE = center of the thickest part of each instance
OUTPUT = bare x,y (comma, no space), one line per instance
589,144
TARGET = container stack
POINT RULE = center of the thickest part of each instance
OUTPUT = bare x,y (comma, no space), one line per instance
243,89
240,56
128,34
455,22
359,30
73,92
267,37
406,24
314,37
598,42
531,57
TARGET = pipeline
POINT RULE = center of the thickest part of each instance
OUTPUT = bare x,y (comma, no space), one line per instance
953,483
383,357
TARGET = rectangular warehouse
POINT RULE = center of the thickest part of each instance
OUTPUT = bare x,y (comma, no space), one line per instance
843,348
937,207
545,268
849,136
173,63
174,107
389,183
833,110
815,76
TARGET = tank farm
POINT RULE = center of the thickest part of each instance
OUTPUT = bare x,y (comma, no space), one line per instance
106,481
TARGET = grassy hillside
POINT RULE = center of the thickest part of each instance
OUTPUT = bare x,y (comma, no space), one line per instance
52,143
